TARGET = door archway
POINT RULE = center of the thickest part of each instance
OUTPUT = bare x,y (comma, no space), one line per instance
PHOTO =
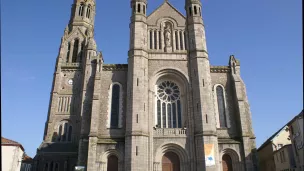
170,162
112,163
226,163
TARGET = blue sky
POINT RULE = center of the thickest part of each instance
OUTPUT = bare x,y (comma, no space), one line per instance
265,35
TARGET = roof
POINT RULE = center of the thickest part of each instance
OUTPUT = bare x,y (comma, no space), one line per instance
296,117
270,138
8,142
27,158
168,3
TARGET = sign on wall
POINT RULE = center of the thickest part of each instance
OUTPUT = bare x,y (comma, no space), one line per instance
209,154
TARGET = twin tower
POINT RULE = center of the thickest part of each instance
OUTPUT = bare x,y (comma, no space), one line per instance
166,110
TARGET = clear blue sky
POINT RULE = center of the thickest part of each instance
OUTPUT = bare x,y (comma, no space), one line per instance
266,35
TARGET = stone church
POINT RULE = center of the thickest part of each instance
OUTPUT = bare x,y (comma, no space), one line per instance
168,109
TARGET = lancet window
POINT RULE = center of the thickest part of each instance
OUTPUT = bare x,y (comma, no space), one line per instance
221,106
168,109
115,105
80,12
65,132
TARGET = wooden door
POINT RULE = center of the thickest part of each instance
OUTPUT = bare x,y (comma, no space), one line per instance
112,163
170,162
226,163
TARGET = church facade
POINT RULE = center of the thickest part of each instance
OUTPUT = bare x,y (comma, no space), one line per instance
168,109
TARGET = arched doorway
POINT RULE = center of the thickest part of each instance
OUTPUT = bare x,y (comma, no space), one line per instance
226,163
112,163
170,162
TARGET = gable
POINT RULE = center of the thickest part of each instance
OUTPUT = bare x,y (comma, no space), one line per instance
166,10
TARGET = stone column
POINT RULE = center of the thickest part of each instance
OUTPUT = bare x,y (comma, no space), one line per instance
162,39
149,39
156,166
71,51
85,11
183,40
152,37
173,41
178,40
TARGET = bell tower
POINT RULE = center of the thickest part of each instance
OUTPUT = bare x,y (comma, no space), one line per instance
199,69
137,134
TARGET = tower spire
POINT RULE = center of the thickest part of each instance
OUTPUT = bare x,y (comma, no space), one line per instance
83,13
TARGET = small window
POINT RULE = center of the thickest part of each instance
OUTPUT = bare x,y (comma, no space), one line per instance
151,44
195,10
190,11
176,40
80,13
88,11
200,12
138,8
144,9
155,39
75,51
68,52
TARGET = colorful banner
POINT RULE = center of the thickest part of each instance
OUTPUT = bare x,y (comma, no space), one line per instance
209,154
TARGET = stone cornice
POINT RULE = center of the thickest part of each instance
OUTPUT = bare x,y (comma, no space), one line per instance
124,67
220,69
115,67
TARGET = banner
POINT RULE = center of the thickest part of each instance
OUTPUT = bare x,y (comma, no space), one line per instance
209,154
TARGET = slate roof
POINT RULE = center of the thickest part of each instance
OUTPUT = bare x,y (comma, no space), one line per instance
8,142
58,147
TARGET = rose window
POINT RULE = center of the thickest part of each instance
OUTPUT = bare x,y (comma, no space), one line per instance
168,105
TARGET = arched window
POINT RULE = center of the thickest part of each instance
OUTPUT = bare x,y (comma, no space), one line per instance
144,9
181,40
176,40
138,8
155,39
80,13
75,50
46,167
88,11
60,133
221,106
70,133
65,132
56,167
200,12
168,105
195,10
81,51
51,166
115,106
151,42
68,52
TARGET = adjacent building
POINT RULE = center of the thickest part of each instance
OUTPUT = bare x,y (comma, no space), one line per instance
270,146
283,151
296,136
27,163
168,109
12,153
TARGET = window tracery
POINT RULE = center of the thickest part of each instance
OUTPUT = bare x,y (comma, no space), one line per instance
168,105
65,131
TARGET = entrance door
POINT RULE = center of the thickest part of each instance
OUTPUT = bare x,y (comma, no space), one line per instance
170,162
226,163
112,163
